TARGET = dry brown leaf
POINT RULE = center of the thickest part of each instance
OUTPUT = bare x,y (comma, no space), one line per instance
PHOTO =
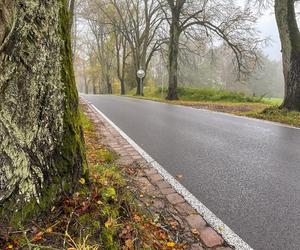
137,218
37,237
179,176
129,244
49,230
174,224
195,231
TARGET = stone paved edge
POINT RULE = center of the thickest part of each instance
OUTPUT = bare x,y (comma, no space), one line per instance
211,230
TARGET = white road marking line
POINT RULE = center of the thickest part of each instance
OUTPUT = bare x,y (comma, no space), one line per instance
228,235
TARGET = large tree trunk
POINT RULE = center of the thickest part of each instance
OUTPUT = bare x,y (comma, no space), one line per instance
121,44
41,150
86,85
108,84
123,90
124,58
173,57
139,86
122,75
140,63
290,42
71,4
5,17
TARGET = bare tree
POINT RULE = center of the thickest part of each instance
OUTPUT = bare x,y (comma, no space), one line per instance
139,22
100,41
122,54
219,20
103,51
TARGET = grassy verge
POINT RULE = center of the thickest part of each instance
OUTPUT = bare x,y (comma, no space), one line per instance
203,95
276,115
229,102
101,214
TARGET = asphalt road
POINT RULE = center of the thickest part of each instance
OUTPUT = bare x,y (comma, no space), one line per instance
245,171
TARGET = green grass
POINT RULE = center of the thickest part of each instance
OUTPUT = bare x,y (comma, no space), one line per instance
206,95
226,101
277,115
212,95
273,101
202,94
86,122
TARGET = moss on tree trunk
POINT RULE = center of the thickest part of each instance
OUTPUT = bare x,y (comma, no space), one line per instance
41,150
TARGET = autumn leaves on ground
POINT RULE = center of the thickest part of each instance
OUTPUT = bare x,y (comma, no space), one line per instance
101,214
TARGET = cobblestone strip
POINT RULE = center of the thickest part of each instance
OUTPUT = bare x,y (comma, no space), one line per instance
155,193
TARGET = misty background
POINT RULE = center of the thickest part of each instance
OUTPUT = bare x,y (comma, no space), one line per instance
207,67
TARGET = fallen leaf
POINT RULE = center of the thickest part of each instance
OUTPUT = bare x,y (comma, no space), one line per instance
179,176
84,207
136,218
129,244
49,230
171,244
82,181
195,231
174,224
38,236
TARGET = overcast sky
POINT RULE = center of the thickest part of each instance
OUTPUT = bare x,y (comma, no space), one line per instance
268,28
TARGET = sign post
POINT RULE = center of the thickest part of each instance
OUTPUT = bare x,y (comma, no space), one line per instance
141,74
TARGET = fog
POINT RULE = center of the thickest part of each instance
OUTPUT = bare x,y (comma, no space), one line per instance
209,66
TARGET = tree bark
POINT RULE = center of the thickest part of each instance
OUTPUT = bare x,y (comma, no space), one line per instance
123,90
108,84
71,4
121,44
124,58
41,148
6,15
290,42
139,86
86,85
138,65
173,55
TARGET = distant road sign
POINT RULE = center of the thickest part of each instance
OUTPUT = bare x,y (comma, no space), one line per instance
141,74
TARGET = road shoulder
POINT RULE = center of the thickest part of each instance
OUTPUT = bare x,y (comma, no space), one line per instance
156,193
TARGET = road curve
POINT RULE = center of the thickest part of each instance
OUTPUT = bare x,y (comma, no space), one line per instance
245,171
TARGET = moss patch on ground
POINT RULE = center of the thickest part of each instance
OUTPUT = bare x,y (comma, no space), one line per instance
101,214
